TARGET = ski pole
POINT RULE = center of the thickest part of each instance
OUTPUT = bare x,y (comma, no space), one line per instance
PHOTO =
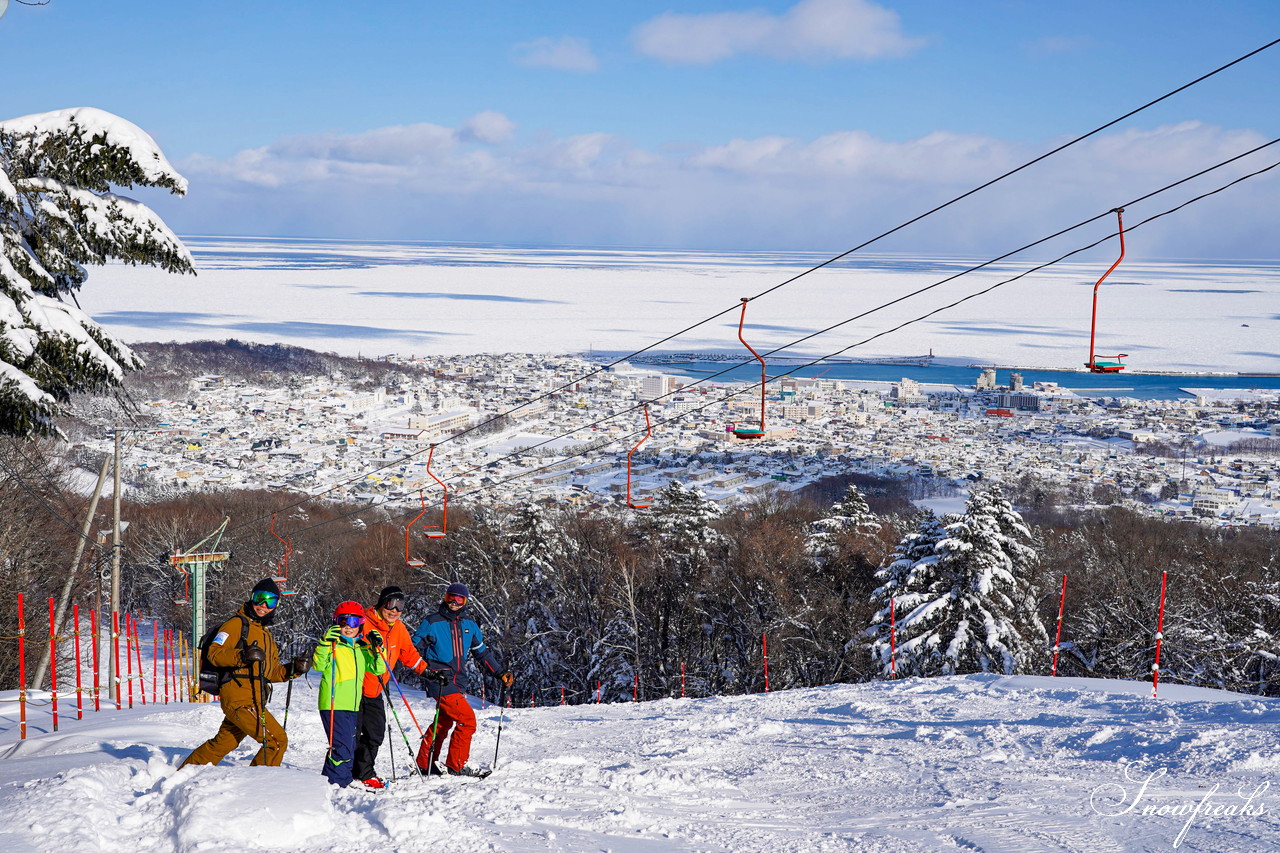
403,733
502,709
333,688
255,690
396,682
391,752
288,690
431,737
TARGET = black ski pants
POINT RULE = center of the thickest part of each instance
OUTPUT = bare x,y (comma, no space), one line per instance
371,727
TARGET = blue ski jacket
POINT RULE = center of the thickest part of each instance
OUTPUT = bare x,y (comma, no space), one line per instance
444,638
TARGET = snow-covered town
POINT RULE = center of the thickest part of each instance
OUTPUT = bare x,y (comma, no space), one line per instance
522,427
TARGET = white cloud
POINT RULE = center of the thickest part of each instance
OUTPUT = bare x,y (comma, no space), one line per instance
812,30
489,127
772,192
566,53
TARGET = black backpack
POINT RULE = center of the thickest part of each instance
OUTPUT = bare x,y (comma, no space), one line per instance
213,677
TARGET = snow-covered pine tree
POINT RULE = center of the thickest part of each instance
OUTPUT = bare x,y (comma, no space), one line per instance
535,548
850,516
678,530
681,517
969,609
58,214
902,581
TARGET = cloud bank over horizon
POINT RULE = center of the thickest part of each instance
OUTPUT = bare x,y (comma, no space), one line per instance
485,181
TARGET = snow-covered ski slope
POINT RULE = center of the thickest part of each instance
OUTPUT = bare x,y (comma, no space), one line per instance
976,763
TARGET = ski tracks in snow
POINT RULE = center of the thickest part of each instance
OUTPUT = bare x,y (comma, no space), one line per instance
975,763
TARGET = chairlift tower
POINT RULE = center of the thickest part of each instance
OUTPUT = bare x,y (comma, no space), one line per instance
194,563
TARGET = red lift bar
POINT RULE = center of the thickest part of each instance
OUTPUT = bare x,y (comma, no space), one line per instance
742,431
648,430
1111,365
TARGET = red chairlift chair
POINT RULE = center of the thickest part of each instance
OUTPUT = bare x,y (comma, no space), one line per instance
1106,363
648,427
413,562
746,431
281,576
434,533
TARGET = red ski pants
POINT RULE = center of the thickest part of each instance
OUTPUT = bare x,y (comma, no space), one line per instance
451,710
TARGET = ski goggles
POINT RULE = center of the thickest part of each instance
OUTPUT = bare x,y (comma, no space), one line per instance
396,604
270,599
455,599
350,621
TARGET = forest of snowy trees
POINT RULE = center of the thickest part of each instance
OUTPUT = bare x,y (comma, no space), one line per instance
574,597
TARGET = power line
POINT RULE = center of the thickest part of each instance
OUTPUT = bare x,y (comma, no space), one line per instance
778,286
918,319
17,477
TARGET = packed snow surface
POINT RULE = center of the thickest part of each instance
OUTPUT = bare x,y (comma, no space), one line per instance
970,763
420,299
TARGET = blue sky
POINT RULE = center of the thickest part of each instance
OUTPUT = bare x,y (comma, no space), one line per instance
805,124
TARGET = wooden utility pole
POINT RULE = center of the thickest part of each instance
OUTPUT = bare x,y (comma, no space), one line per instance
43,666
112,675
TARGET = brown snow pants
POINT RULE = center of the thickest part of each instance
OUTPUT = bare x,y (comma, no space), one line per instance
237,724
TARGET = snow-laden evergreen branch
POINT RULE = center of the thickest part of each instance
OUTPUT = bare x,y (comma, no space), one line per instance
57,215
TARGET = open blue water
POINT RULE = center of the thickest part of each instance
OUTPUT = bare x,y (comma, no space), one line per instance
1140,386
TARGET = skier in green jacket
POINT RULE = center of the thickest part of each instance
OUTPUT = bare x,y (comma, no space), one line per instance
342,659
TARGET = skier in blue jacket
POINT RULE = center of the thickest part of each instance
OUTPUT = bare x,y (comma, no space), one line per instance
444,638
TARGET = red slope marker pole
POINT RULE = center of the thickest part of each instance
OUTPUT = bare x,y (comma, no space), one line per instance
137,651
166,666
75,617
95,637
1057,640
128,654
155,662
1155,667
22,672
764,645
115,651
53,664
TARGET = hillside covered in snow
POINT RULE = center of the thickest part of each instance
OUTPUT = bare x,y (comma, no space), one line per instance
974,763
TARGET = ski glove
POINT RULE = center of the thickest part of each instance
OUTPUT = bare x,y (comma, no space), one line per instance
507,678
333,634
300,665
253,654
374,639
439,676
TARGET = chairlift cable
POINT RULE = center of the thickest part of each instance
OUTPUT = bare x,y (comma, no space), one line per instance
820,359
830,261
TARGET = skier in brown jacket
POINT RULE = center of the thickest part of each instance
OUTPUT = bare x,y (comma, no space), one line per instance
253,660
